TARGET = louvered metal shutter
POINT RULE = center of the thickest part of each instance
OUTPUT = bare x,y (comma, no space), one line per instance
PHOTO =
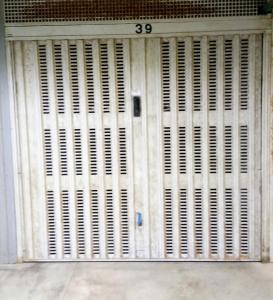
189,165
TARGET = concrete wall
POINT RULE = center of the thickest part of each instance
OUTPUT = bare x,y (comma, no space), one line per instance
7,210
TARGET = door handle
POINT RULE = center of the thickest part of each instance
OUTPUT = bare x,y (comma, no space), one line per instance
137,106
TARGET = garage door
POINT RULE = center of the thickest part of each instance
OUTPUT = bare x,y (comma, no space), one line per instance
140,149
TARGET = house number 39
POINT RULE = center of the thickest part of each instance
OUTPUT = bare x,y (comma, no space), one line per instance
141,28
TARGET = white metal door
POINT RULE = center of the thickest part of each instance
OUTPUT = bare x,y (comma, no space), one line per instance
180,181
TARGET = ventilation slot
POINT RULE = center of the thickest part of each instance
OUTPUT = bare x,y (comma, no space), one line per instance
78,151
120,77
51,223
228,222
74,78
110,222
124,223
63,152
212,76
48,152
228,77
89,69
168,222
29,11
183,209
213,222
244,226
182,150
166,76
244,65
228,149
105,77
196,76
197,150
108,151
213,149
80,222
44,79
167,150
198,222
122,151
181,76
66,223
59,78
95,228
244,149
93,152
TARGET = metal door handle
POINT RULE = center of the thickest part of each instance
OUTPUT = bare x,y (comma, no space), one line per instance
137,106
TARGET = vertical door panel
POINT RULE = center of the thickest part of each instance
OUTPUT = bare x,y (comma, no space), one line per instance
155,150
141,180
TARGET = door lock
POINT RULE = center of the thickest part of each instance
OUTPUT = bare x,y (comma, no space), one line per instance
139,219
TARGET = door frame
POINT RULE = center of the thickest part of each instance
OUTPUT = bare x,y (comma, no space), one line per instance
166,28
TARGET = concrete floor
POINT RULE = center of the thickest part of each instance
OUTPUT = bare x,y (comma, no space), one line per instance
137,281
